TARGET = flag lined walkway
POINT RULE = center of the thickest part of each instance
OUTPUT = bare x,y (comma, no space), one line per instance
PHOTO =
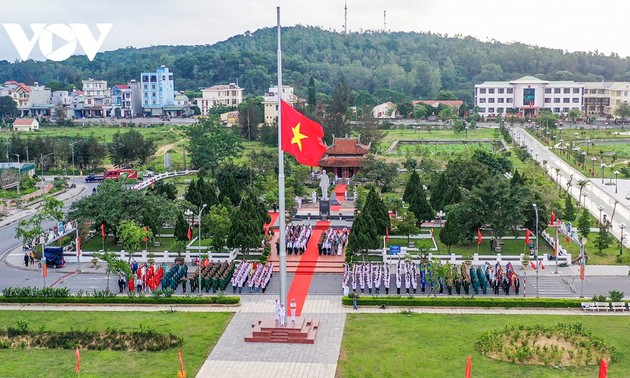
304,273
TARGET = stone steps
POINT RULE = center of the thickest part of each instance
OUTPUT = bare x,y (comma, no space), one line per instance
267,330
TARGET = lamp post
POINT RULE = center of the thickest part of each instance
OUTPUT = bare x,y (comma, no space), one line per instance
588,142
200,211
72,147
41,162
536,251
616,179
600,208
466,128
622,226
19,173
603,166
593,159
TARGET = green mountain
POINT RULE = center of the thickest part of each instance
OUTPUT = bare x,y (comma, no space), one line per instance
410,65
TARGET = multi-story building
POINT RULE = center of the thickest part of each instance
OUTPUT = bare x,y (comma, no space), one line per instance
528,95
270,102
126,101
96,100
603,98
158,91
227,95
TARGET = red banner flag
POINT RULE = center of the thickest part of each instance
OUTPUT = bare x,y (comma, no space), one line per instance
144,238
103,230
478,236
189,234
541,264
582,272
532,264
469,367
301,137
527,234
45,270
181,361
79,246
77,367
553,218
386,235
603,369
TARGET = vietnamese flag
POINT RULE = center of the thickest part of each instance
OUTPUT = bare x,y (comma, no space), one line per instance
478,236
301,137
468,367
77,367
103,230
527,234
603,369
189,233
553,218
386,235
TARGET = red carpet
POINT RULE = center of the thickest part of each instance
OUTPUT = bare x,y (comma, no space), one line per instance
274,219
304,273
340,191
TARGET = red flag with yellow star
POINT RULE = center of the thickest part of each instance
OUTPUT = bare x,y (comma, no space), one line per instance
301,137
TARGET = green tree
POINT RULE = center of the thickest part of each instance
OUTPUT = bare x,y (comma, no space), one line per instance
312,94
362,238
30,229
622,111
412,187
405,109
419,205
368,129
569,208
250,115
446,114
408,226
337,121
132,236
181,227
420,112
439,191
574,114
167,190
211,144
584,223
245,231
451,233
130,148
226,183
375,207
217,225
8,108
115,265
603,239
379,171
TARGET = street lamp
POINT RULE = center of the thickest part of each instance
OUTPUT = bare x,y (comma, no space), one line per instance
616,179
19,173
41,162
603,166
200,211
466,128
536,251
72,147
593,159
621,227
600,208
588,142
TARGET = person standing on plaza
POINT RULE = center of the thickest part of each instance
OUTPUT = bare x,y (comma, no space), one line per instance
32,257
283,314
293,307
276,310
26,259
354,300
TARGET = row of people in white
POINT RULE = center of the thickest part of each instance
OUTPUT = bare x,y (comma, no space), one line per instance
280,312
297,237
259,277
333,241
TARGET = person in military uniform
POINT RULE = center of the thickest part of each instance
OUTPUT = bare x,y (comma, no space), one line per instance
466,285
458,284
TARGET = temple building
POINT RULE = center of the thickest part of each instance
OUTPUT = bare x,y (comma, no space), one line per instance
344,156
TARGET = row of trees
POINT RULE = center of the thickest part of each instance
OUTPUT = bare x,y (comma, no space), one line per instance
126,150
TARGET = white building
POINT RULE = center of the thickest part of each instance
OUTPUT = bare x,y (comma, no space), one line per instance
158,90
25,124
227,95
385,110
270,102
97,99
528,95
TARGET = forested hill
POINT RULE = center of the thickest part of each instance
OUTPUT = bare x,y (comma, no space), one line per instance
417,65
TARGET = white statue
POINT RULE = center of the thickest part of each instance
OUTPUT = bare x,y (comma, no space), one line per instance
324,184
313,196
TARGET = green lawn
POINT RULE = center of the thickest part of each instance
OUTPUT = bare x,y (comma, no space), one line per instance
161,134
436,345
200,332
96,244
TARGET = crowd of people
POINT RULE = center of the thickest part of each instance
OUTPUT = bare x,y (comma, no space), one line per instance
432,278
296,238
333,241
143,278
253,274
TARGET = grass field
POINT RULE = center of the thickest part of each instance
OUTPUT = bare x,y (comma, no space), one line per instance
436,345
200,332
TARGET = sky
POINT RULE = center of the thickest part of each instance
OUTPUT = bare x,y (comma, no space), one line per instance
575,25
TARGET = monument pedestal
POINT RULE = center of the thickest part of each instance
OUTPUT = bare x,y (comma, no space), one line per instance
324,208
267,330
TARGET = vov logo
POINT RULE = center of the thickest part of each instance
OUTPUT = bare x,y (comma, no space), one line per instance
47,34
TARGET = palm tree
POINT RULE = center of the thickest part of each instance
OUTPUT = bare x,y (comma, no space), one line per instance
581,184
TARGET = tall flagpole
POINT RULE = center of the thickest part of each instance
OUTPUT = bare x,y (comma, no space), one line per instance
282,237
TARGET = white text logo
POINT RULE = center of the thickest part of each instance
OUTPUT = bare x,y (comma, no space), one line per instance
60,33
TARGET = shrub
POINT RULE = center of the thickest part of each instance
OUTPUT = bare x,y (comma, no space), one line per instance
616,295
464,302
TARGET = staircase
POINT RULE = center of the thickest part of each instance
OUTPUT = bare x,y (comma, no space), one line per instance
267,330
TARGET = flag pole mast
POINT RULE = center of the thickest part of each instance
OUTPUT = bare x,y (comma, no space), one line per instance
281,201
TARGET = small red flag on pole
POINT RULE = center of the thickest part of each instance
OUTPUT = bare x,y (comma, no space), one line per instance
189,234
603,369
103,230
468,367
78,246
527,234
553,218
77,367
386,235
181,373
478,236
45,270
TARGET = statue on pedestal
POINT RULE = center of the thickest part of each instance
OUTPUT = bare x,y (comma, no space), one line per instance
324,184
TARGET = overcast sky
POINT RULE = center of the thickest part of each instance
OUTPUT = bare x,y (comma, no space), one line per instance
573,25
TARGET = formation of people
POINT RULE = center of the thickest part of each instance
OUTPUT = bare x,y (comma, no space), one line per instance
297,237
143,278
253,274
333,241
430,277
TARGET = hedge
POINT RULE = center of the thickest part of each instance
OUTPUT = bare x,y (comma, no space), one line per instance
464,302
148,300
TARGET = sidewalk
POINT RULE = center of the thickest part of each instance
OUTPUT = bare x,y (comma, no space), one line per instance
32,208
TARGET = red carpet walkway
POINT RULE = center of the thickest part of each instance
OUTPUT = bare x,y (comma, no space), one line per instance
304,273
340,191
274,219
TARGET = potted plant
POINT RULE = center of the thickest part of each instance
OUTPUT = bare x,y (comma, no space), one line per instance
467,261
525,262
179,247
151,258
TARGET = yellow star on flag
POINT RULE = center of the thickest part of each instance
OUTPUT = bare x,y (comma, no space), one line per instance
297,137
